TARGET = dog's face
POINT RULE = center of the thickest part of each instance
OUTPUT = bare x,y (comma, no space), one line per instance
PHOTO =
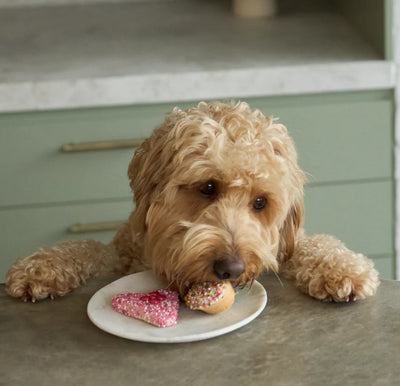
218,195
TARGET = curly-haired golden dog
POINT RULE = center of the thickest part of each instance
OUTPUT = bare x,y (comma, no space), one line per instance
218,195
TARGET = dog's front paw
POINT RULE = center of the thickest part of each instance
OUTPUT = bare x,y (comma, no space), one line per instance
34,278
348,280
325,269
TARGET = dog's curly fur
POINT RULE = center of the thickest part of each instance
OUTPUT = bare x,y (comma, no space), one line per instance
179,228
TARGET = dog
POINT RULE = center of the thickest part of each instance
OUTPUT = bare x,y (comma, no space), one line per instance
218,195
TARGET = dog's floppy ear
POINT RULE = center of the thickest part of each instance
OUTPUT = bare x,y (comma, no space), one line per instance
284,147
144,169
289,232
145,172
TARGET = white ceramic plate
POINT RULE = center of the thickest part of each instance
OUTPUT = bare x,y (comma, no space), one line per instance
192,325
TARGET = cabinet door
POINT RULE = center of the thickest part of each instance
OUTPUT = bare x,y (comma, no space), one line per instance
27,229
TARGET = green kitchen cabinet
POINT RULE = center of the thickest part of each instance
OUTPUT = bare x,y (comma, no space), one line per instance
344,140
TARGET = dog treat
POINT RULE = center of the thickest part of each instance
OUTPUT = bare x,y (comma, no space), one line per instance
159,308
211,298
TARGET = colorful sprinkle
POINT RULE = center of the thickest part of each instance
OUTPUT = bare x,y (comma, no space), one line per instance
204,295
159,308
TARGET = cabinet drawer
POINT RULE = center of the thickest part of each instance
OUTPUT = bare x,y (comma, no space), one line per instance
360,214
344,211
36,171
25,230
337,139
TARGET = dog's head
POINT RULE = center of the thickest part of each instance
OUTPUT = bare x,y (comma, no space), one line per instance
218,194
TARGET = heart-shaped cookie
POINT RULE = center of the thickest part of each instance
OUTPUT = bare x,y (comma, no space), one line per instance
159,308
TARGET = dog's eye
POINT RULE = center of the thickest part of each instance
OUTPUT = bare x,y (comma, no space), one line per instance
208,189
259,203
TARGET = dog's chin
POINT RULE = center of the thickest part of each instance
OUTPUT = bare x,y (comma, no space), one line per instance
183,281
182,287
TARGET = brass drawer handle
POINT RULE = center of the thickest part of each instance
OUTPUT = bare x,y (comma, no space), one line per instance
101,145
95,227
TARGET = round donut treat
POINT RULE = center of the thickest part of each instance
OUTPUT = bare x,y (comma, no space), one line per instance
211,298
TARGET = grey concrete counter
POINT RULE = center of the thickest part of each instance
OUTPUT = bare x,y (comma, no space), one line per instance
295,341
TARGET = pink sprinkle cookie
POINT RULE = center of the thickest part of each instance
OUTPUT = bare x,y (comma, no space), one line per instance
159,308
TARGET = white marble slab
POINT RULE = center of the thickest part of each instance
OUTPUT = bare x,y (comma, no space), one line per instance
125,90
116,54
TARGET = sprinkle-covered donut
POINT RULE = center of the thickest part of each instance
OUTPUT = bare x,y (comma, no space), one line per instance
211,298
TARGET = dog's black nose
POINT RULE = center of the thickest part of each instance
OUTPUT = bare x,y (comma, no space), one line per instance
229,268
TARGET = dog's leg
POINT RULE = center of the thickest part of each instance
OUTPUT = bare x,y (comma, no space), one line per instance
56,271
325,269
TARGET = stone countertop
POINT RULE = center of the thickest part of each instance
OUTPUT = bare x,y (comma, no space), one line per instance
295,341
149,52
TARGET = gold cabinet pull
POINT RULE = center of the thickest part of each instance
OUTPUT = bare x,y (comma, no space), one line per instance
101,145
95,227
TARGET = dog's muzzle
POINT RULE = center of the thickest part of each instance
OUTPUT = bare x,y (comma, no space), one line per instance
229,268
